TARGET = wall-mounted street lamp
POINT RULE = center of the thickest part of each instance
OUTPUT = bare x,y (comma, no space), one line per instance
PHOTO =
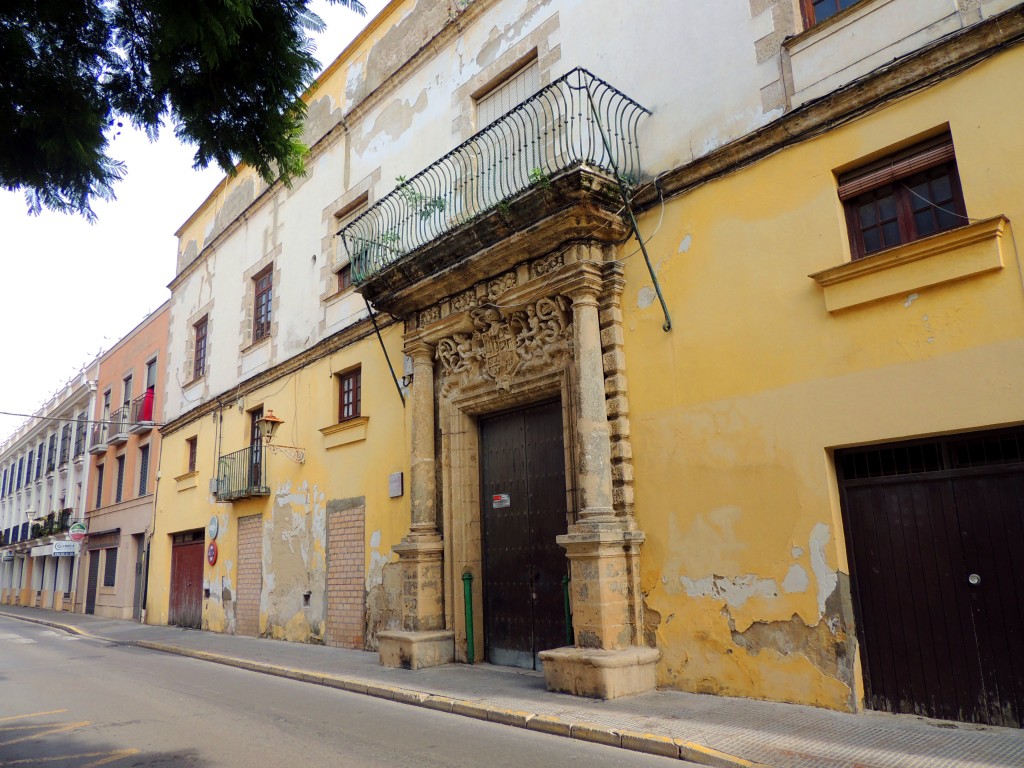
267,426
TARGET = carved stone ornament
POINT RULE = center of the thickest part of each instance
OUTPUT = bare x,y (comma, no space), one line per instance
505,344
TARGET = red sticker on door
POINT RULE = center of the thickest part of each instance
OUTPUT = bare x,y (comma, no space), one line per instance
499,501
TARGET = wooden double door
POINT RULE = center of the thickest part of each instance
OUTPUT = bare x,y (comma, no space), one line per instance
523,509
935,533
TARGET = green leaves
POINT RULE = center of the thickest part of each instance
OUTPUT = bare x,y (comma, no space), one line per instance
228,75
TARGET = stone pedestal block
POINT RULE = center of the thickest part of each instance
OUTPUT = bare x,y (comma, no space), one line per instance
422,583
416,650
600,674
603,610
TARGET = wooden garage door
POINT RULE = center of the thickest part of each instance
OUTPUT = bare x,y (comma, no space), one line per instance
933,531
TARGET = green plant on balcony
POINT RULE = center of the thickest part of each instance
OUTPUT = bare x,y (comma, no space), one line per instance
423,205
539,178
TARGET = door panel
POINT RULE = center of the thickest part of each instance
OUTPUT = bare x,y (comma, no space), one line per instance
186,607
523,510
250,575
94,574
939,598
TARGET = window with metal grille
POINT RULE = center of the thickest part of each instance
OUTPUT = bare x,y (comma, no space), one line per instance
349,394
982,449
903,197
83,422
143,470
65,444
99,486
264,294
816,11
51,454
119,488
193,450
109,566
199,355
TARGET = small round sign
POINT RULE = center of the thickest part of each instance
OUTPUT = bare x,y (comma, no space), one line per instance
77,531
214,527
211,553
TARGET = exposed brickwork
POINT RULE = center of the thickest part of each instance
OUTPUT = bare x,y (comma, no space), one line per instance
250,575
346,593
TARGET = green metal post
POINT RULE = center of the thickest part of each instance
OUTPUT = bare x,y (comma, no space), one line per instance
467,591
568,610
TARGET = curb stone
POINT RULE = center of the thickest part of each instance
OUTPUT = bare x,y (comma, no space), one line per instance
647,743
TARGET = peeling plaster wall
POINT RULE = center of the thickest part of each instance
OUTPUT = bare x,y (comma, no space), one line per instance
735,411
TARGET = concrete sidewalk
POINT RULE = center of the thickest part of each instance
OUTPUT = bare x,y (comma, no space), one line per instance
711,730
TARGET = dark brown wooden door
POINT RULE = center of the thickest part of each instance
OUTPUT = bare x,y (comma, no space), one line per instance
186,607
934,533
523,510
92,583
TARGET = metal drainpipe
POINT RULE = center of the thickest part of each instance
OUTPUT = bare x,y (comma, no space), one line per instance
467,592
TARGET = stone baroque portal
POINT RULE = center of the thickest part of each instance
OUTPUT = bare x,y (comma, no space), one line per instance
504,344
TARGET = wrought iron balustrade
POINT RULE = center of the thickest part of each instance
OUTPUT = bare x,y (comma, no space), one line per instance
577,120
98,438
142,407
242,474
118,423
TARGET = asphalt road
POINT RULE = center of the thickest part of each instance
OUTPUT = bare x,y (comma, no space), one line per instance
70,702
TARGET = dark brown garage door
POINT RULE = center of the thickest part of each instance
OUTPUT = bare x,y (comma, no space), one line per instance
523,510
935,533
186,600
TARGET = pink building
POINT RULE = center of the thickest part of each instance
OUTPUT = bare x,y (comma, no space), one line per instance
124,445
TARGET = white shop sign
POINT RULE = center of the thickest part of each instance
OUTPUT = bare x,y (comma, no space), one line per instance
65,548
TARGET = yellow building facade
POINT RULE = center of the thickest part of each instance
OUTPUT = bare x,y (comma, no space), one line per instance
804,487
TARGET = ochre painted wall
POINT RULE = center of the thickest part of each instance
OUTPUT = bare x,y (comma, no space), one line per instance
736,411
357,464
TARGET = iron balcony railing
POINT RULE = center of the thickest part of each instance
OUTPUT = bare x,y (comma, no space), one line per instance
142,407
98,437
242,474
577,120
53,524
118,425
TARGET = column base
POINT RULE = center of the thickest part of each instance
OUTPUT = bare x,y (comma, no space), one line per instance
600,674
416,650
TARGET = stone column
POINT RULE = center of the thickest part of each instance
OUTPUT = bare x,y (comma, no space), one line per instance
606,661
593,443
423,640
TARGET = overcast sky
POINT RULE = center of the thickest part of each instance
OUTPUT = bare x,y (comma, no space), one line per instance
71,289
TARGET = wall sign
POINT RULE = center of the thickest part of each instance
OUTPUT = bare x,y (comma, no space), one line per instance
77,531
500,501
214,527
211,553
65,548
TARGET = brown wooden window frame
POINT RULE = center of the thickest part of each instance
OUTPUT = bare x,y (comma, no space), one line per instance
193,452
811,15
352,407
892,177
200,331
344,278
262,313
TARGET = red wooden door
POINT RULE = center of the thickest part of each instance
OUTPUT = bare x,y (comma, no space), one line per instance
186,608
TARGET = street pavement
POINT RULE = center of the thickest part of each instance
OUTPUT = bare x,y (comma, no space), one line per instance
71,702
710,730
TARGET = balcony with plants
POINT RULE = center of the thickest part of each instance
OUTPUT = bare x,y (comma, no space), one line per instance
572,144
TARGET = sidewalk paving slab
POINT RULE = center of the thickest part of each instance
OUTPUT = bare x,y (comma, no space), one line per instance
704,729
